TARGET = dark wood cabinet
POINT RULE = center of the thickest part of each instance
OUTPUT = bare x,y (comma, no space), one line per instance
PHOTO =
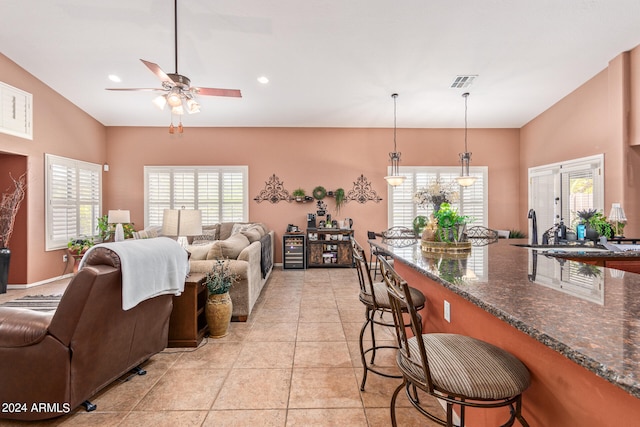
188,323
329,247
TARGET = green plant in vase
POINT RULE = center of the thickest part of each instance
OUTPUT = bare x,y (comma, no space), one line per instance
78,246
299,194
219,306
596,223
106,231
450,224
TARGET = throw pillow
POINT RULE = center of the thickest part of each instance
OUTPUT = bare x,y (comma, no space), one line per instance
232,247
239,227
252,234
215,251
199,252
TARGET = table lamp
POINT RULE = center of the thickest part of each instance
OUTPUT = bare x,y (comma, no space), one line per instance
119,217
182,223
618,218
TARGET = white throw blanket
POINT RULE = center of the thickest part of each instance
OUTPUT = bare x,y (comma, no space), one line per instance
150,267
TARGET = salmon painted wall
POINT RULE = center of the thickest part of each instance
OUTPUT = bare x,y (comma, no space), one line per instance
60,128
595,118
308,157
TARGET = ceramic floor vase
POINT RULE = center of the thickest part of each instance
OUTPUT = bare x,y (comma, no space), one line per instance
218,312
5,257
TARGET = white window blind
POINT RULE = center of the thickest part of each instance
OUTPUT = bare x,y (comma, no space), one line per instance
219,192
74,199
16,112
472,201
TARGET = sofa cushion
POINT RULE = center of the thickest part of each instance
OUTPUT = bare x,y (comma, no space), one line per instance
229,248
239,227
253,234
232,247
199,252
215,250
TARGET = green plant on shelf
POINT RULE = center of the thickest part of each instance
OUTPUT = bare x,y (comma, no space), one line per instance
299,194
340,198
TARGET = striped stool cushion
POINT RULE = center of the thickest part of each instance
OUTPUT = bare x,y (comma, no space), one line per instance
382,296
466,366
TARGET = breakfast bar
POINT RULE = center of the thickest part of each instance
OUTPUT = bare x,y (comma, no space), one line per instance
576,326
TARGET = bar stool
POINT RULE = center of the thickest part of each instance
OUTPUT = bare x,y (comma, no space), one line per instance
456,369
376,301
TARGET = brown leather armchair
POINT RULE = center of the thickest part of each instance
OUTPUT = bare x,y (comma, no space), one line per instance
52,363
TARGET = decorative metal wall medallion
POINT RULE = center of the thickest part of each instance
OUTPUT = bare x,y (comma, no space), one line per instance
273,191
362,192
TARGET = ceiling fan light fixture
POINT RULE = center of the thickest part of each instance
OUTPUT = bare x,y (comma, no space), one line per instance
193,106
160,102
178,110
174,99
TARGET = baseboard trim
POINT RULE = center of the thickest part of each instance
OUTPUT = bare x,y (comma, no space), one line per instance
42,282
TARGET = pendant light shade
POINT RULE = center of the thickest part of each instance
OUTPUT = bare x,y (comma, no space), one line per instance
395,178
465,180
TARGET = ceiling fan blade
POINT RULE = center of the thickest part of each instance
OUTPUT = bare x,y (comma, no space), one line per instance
209,91
155,69
142,89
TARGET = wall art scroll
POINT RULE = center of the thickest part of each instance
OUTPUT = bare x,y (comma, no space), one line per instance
273,191
362,192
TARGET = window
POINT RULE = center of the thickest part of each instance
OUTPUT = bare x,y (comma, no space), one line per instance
472,201
220,192
74,199
558,191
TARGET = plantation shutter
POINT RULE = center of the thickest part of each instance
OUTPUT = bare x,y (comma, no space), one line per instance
472,200
220,193
74,194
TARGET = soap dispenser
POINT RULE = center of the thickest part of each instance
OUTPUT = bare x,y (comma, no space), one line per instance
562,231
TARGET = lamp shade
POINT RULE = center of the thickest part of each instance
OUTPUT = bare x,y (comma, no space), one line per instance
617,213
119,217
182,222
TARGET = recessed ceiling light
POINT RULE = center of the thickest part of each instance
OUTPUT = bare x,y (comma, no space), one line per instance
114,78
263,79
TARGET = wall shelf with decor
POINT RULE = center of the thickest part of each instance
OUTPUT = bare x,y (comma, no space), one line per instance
329,247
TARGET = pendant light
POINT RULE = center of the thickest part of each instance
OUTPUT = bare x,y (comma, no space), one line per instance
395,178
464,180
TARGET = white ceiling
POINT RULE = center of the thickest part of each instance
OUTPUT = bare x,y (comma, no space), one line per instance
331,63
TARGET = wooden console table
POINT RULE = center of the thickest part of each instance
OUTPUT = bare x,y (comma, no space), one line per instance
188,323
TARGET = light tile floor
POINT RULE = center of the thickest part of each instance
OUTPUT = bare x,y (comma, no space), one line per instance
295,362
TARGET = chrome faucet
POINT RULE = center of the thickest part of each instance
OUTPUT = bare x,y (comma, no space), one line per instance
534,226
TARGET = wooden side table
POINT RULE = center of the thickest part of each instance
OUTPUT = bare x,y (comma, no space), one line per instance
188,323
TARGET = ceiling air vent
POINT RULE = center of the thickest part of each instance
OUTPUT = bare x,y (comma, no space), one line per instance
462,82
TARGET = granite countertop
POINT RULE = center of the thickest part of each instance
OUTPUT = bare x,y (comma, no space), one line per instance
589,314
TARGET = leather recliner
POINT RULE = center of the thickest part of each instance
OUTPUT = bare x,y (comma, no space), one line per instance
50,363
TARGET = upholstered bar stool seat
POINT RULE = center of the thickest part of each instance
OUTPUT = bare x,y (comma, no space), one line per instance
462,371
466,366
375,298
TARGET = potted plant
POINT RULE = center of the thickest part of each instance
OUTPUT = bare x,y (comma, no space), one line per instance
106,231
451,225
9,205
77,247
219,306
596,224
299,194
340,198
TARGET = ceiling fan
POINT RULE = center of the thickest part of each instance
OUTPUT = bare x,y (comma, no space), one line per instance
176,88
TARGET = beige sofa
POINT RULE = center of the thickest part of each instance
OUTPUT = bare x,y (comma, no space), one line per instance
249,247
